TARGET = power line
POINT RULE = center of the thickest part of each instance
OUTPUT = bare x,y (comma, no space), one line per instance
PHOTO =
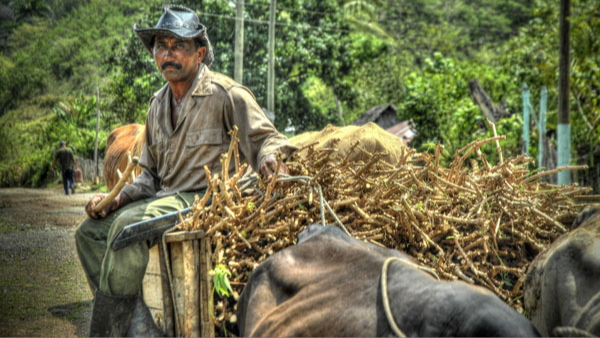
266,5
305,26
309,26
489,30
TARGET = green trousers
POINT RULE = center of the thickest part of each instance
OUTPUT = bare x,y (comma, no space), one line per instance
120,273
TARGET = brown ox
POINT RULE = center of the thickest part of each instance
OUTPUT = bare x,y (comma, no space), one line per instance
562,287
128,138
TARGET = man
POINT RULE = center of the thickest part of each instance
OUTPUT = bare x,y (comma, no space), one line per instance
186,129
64,156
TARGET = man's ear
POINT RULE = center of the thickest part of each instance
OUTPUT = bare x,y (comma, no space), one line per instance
201,53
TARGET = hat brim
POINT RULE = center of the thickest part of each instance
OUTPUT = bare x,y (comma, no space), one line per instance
147,36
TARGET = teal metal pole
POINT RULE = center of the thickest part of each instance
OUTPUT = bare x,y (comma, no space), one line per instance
542,126
564,83
526,122
564,152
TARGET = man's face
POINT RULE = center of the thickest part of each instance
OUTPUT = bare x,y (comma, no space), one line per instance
177,59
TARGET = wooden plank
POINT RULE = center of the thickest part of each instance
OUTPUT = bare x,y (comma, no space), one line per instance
190,264
168,316
206,287
178,286
152,288
153,263
181,236
157,315
152,285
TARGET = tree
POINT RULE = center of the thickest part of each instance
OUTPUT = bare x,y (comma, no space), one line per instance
311,40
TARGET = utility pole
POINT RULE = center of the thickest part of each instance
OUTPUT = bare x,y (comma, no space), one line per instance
542,126
564,126
238,72
97,176
526,118
271,61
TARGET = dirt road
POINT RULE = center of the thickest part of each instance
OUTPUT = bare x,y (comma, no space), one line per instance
43,290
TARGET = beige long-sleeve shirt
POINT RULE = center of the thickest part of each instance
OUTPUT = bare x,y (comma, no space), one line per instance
173,159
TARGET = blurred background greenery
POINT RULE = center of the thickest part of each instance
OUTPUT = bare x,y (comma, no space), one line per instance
334,60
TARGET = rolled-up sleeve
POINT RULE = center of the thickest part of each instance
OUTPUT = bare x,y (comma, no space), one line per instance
258,137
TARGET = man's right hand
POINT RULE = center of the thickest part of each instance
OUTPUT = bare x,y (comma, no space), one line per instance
112,206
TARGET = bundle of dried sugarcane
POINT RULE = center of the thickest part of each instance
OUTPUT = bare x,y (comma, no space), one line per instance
480,223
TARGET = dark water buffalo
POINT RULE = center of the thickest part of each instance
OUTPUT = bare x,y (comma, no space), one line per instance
330,284
562,288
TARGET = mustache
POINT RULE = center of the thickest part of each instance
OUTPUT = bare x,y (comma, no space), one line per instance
170,63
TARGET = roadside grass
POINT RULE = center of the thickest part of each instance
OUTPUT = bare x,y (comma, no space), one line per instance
6,226
30,286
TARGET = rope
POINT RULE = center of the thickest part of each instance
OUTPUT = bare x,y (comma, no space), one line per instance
323,201
384,290
570,331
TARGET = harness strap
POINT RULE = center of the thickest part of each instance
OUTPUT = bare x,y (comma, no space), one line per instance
384,290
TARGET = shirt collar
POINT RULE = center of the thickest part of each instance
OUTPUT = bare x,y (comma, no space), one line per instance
202,83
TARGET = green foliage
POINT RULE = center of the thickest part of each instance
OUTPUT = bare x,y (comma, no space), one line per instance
418,55
437,100
221,284
22,161
536,50
49,56
321,98
65,55
311,41
27,10
31,137
76,123
453,27
7,69
135,76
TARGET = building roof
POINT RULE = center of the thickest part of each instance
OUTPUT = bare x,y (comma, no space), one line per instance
385,116
377,115
404,130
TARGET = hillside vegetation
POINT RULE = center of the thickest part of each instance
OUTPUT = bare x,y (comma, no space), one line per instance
335,59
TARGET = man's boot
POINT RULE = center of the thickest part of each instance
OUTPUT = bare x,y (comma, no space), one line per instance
111,315
142,323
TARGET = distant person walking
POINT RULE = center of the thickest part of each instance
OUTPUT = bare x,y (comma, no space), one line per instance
64,156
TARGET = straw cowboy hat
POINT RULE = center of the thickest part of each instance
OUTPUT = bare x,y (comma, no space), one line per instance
180,22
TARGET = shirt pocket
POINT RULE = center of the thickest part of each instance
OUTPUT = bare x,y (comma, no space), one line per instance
204,137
